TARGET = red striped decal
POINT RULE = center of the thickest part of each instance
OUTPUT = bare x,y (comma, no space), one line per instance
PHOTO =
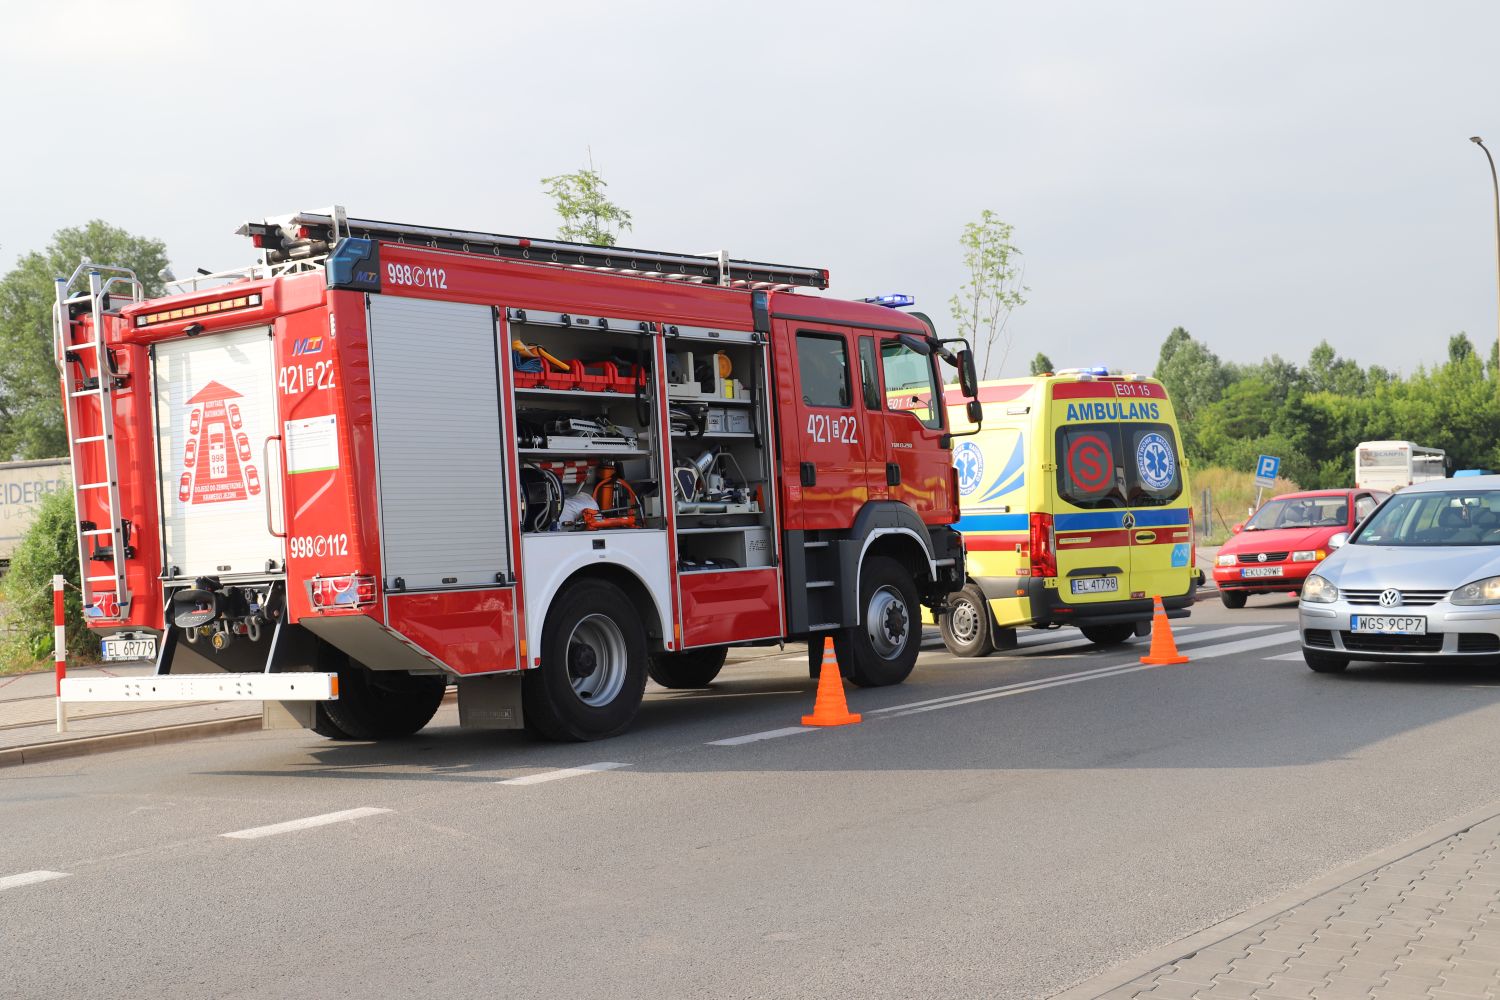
998,542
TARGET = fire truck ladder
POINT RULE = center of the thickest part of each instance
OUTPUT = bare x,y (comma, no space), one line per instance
309,235
98,390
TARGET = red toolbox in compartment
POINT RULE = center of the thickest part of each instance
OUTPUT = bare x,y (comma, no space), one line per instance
554,379
595,376
529,380
629,378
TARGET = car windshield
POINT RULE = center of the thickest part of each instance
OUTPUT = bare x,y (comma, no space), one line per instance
1301,512
1456,517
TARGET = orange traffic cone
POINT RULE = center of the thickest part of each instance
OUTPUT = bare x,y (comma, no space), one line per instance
1163,646
830,709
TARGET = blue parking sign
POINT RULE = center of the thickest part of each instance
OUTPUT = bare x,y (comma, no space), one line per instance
1266,469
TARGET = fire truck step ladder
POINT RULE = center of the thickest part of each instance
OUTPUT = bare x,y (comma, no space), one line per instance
86,391
305,236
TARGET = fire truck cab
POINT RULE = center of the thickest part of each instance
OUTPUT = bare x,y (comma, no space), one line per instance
391,457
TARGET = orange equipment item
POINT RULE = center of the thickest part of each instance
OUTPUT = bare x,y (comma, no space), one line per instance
613,493
1163,646
830,708
593,522
535,351
725,366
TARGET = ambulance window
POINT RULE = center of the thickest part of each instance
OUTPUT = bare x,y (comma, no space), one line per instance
823,363
1088,467
909,382
1152,457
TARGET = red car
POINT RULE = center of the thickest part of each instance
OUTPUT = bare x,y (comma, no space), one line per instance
1279,546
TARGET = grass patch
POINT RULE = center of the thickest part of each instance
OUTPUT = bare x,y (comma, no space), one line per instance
1232,498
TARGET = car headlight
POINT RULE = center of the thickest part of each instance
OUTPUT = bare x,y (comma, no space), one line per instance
1228,560
1307,555
1486,591
1317,590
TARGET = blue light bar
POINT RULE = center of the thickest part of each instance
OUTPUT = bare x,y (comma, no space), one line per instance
892,300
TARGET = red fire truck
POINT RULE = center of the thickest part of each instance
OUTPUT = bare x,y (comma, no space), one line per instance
391,457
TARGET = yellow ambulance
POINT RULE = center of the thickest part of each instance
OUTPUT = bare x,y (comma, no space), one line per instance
1075,510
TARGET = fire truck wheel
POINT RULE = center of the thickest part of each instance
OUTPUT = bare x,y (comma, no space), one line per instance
1233,598
966,623
593,670
379,706
883,648
695,668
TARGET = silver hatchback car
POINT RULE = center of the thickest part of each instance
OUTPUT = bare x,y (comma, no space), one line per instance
1419,579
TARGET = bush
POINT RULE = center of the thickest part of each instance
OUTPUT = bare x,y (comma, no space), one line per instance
1232,495
50,547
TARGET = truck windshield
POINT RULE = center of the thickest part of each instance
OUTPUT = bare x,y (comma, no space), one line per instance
1117,465
1445,518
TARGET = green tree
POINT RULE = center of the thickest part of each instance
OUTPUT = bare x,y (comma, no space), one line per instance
587,215
1327,372
981,309
1195,378
31,419
49,548
1041,364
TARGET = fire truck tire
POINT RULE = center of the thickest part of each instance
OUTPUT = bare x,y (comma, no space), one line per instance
379,706
966,624
695,668
593,671
883,648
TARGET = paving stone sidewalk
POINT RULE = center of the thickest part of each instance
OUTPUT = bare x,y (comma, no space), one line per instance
1425,926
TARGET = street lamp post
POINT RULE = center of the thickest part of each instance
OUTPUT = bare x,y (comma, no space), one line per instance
1495,183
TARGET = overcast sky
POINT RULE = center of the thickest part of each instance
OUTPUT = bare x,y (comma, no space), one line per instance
1264,174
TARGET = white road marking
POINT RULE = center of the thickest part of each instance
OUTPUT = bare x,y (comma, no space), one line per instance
567,772
1245,645
1037,683
1286,656
769,734
29,878
305,824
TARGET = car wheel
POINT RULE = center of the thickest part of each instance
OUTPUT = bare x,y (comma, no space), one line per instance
1233,598
1108,635
1325,663
966,623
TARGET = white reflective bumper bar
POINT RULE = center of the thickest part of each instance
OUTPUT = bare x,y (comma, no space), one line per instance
294,686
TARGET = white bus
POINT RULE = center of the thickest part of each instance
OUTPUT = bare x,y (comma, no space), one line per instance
1390,465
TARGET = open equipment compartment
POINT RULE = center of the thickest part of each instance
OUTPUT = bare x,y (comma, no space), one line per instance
586,420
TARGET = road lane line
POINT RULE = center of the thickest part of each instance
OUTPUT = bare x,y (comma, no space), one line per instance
308,823
1245,645
1296,655
769,734
567,772
1114,668
29,878
1094,675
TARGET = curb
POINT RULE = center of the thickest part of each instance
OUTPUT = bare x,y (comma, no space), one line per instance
1092,988
87,745
128,740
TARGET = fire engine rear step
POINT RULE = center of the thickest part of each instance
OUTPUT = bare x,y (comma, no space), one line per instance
295,686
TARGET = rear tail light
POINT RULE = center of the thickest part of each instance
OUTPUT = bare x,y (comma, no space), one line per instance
332,592
1043,546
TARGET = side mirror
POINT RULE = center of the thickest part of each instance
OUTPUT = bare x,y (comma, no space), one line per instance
1338,541
917,344
968,381
975,411
1238,528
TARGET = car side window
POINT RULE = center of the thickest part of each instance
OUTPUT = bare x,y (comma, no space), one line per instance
1363,504
823,366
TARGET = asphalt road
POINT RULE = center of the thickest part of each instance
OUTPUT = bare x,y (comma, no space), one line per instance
995,828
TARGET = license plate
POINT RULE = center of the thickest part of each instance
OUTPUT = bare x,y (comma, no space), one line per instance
1388,624
1096,585
1253,571
130,649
